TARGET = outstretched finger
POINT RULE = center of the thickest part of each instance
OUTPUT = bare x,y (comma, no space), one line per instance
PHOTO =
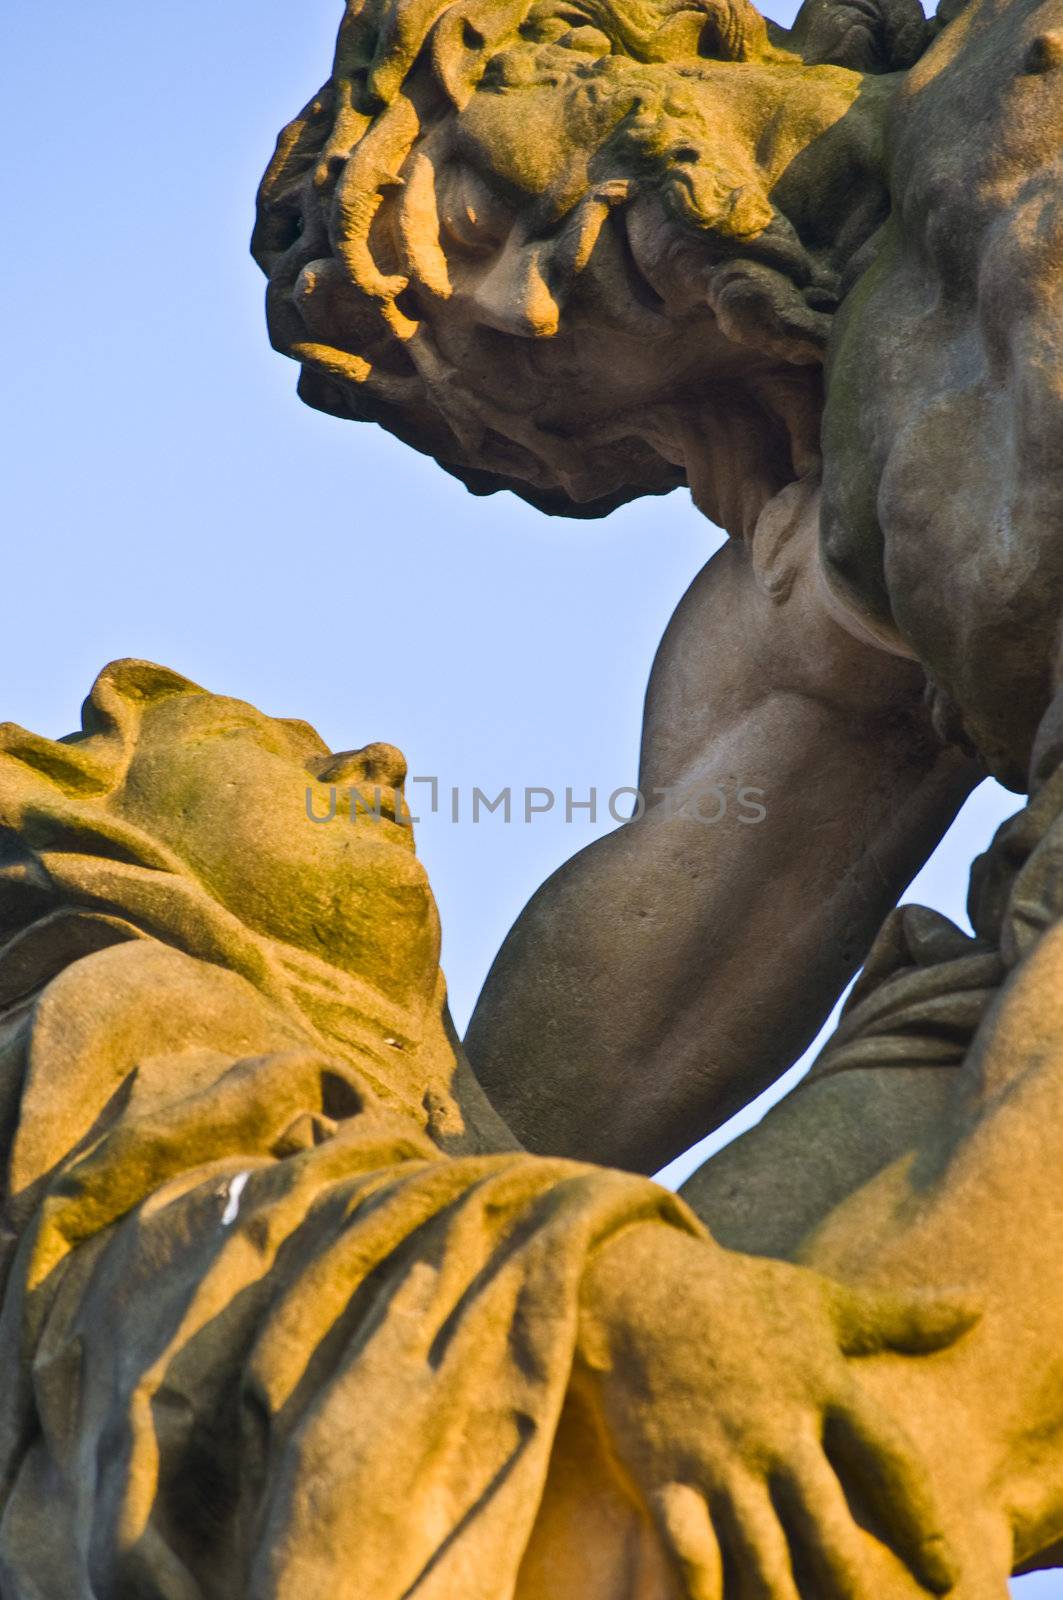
874,1456
682,1518
819,1523
755,1545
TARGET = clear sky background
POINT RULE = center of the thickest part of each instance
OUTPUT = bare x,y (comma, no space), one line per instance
166,495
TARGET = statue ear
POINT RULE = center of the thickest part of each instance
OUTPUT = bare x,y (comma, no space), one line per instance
871,36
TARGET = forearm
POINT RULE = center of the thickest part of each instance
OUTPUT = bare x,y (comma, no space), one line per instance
668,973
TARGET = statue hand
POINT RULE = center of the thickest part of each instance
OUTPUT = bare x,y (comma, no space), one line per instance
727,1387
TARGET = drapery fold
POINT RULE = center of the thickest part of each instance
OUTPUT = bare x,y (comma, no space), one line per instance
263,1331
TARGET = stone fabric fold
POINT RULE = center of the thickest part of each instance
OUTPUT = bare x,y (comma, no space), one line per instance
260,1329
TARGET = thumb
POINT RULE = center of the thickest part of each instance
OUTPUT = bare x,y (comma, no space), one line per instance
911,1322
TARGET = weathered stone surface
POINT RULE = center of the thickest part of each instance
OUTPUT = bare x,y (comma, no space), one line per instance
587,254
285,1312
591,253
941,1094
584,253
944,429
290,1306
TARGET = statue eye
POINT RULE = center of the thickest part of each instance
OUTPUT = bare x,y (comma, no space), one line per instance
472,217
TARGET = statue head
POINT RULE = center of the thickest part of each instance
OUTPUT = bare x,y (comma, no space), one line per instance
584,249
188,817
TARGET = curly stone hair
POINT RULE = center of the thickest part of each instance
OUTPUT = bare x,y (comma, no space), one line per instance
348,186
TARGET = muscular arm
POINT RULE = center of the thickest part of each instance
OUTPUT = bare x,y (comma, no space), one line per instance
668,973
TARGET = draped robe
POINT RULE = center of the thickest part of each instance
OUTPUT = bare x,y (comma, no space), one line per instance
277,1320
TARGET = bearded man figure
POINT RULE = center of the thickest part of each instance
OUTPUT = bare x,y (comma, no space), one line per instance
575,252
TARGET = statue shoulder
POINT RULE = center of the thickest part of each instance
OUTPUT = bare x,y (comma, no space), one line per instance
139,1023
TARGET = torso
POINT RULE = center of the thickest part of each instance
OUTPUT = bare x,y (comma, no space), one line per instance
944,428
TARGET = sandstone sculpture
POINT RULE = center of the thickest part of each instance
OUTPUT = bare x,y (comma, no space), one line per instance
815,275
291,1306
285,1312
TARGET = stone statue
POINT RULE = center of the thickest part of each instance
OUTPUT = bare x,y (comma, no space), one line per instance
587,251
299,1301
591,251
286,1312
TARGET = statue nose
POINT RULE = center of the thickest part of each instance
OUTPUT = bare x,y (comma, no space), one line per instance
374,765
740,212
514,296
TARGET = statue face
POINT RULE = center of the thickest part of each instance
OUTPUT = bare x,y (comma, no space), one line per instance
584,250
226,788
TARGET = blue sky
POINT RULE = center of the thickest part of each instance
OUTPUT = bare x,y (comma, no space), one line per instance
166,495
